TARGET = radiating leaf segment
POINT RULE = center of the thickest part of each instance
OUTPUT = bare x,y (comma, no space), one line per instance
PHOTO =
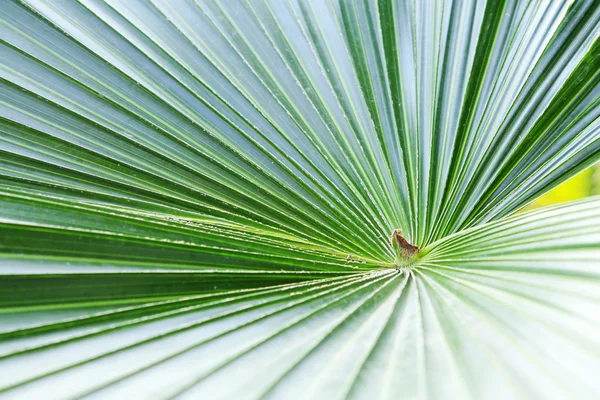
297,199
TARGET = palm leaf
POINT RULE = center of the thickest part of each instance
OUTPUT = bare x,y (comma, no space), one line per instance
197,199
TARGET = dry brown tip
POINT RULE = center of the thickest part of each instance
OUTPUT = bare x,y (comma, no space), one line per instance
400,244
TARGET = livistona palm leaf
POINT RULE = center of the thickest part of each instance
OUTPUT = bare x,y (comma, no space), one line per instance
297,199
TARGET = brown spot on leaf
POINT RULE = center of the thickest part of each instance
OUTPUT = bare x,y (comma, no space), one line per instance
402,246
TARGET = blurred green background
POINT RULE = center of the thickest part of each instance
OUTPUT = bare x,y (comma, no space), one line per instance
586,183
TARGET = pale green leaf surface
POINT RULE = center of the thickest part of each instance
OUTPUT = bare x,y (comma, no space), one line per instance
197,198
511,305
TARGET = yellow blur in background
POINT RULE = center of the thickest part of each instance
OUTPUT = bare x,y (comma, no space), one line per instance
584,184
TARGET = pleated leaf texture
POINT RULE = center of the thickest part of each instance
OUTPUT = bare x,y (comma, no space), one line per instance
311,199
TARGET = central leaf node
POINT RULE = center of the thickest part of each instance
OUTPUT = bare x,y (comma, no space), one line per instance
403,250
